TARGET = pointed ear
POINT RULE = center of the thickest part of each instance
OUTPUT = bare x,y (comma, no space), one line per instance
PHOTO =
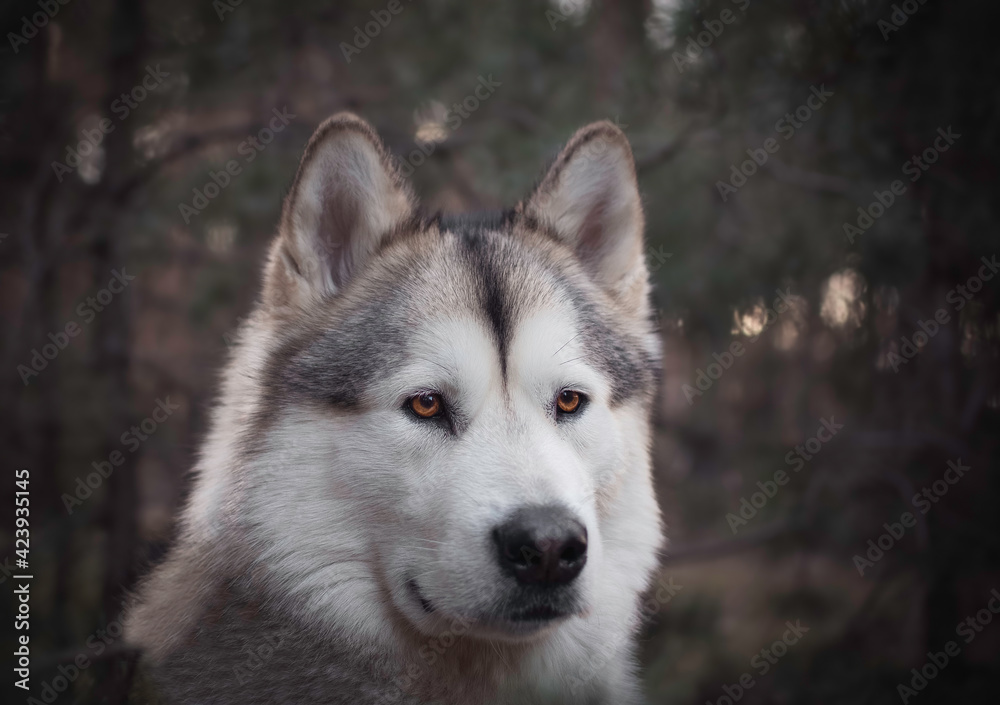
590,197
347,197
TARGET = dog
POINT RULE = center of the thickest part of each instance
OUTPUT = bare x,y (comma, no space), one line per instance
428,478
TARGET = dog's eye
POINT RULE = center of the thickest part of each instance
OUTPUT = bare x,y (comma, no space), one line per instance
568,401
427,406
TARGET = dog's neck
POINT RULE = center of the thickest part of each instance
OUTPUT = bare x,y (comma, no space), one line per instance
247,648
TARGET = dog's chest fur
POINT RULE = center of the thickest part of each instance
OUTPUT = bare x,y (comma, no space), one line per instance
245,653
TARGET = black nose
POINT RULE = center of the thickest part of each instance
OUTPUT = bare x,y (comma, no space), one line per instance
543,546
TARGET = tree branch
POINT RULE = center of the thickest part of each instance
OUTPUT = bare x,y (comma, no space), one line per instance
809,180
711,550
188,145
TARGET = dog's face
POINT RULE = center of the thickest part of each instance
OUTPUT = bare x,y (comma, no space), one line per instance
450,407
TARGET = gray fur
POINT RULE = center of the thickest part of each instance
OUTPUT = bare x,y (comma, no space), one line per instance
322,512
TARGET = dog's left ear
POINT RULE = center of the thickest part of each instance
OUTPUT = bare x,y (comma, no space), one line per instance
347,198
590,197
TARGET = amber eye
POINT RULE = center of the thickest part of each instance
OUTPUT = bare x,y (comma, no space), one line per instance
427,406
568,401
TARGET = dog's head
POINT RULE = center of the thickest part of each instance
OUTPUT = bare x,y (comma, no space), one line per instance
453,417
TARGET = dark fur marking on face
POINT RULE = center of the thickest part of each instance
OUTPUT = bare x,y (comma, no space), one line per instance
488,265
337,363
338,356
494,254
631,369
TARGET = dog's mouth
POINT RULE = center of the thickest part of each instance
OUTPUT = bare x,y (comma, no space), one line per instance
535,610
533,614
414,590
538,613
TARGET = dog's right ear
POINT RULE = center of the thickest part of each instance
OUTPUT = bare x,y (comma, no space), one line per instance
347,197
590,200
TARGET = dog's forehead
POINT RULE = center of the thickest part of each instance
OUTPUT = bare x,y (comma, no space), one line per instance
456,269
478,269
499,278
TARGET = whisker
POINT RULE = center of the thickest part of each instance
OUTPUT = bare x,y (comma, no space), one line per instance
499,653
433,362
565,344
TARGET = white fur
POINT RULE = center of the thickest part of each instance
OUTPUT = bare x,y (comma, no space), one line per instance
346,504
338,510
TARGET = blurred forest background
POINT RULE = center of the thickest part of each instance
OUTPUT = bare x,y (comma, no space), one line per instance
693,98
